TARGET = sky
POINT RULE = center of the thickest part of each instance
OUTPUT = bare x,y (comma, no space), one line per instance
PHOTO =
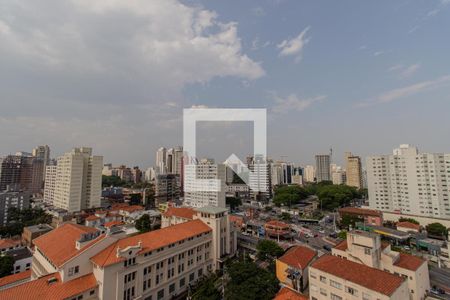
360,76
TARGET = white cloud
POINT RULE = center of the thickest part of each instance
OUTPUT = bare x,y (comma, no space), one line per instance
294,47
293,103
409,90
405,71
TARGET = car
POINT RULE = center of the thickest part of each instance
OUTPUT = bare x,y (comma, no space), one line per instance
327,247
437,291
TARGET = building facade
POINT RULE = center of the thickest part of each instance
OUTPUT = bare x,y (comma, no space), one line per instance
410,182
12,199
353,170
323,168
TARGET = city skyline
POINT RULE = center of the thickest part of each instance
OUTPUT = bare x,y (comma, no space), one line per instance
325,87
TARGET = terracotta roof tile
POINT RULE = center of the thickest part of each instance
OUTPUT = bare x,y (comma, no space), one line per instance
8,243
288,294
132,208
92,218
360,211
408,261
15,277
277,224
408,225
58,245
298,257
237,220
41,289
113,223
151,240
370,278
341,246
181,212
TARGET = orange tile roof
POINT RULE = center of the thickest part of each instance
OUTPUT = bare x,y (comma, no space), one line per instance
370,278
8,243
408,225
288,294
92,218
238,220
181,212
360,211
151,240
410,262
298,257
132,208
277,224
341,246
113,223
58,245
15,277
41,289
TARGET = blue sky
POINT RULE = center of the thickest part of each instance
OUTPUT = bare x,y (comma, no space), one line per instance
355,75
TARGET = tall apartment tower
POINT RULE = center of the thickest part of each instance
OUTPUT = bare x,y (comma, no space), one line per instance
410,182
43,153
50,184
21,172
78,180
197,195
353,170
260,177
309,173
323,168
161,155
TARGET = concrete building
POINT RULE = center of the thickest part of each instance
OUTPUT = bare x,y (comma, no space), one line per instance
333,277
78,180
42,153
367,249
260,178
32,232
410,182
21,172
78,262
161,156
167,188
309,173
22,259
196,193
323,168
353,170
12,199
338,176
50,184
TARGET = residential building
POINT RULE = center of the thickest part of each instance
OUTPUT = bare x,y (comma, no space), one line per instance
9,244
323,168
78,262
22,259
78,180
30,233
177,215
338,176
161,156
292,268
309,173
50,183
12,199
366,248
353,170
409,182
367,216
336,278
288,294
199,194
260,178
42,153
21,172
167,188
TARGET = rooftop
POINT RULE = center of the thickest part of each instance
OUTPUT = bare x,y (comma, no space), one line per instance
408,225
181,212
288,294
298,257
151,241
277,224
39,228
212,210
8,243
370,278
113,223
58,245
15,278
409,262
360,211
19,253
42,289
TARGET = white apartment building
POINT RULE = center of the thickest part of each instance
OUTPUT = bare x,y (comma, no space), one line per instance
309,173
260,178
323,167
198,191
50,184
78,262
78,180
338,176
410,182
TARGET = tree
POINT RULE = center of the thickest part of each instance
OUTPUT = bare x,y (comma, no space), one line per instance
20,218
436,229
6,265
207,289
350,220
233,202
286,216
334,196
289,195
144,224
268,250
247,281
410,220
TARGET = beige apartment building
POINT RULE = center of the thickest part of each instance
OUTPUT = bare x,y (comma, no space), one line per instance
367,249
353,170
79,262
332,277
78,181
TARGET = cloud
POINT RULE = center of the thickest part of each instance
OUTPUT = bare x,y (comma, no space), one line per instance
294,103
409,90
405,71
378,53
257,44
294,47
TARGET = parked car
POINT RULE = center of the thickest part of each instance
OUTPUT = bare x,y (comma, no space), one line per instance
326,247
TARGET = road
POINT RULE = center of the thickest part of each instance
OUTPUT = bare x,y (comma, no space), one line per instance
440,278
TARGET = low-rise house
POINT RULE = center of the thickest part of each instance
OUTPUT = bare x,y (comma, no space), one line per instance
370,216
9,244
288,294
177,215
292,268
22,259
30,233
407,227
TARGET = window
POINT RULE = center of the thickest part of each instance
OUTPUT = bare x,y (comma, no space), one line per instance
200,272
191,277
182,282
335,297
351,291
160,294
367,251
323,291
365,296
92,292
335,284
323,279
313,275
172,288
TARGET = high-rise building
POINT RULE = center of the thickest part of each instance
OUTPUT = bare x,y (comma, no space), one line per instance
309,173
410,182
22,172
323,170
260,178
167,188
198,195
78,180
50,183
12,198
161,156
353,170
42,153
338,176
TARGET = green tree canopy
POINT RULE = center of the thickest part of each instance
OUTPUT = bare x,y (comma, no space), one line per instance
289,195
6,265
207,289
410,220
249,282
436,229
233,202
143,224
268,250
334,196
